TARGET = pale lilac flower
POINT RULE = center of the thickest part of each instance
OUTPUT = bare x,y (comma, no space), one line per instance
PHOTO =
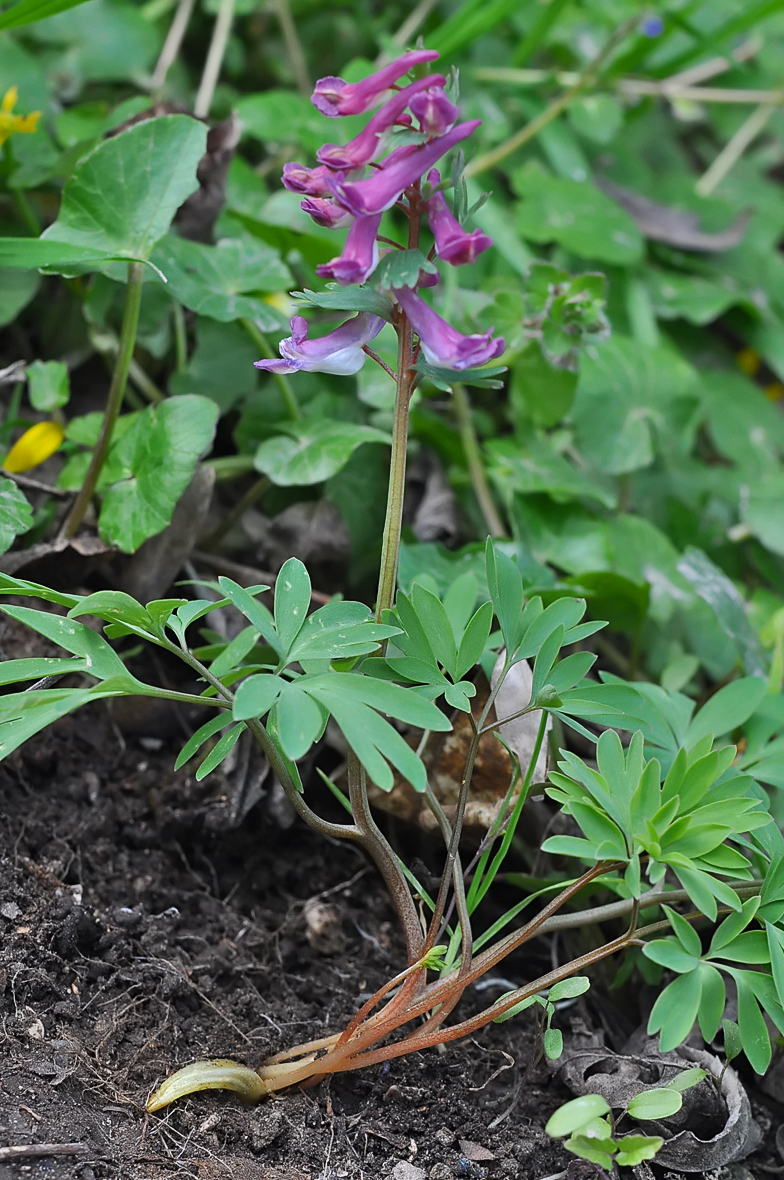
308,181
339,352
435,112
362,149
441,344
453,243
326,213
360,254
405,166
332,96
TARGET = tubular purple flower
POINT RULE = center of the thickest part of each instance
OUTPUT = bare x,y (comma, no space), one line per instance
308,181
339,352
332,96
362,149
360,254
453,244
435,112
326,213
381,190
441,343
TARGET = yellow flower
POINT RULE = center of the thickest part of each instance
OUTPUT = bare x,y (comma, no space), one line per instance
34,447
9,123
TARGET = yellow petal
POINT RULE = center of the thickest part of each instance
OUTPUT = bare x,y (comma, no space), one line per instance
281,302
10,99
34,447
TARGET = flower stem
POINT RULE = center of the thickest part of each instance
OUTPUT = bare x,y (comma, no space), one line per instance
393,524
282,382
130,323
495,526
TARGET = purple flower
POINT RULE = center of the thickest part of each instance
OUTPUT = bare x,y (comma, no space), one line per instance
332,96
653,26
309,181
405,166
363,148
441,344
326,213
453,243
360,254
339,352
436,114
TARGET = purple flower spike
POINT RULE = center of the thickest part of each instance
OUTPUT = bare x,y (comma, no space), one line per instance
441,344
381,190
326,213
363,148
333,97
453,243
339,352
308,181
360,255
436,114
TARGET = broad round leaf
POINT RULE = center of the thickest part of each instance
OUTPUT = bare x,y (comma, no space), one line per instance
655,1104
158,457
575,1114
313,450
123,195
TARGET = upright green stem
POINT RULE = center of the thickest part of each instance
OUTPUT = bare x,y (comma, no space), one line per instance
130,323
393,524
282,382
493,522
180,337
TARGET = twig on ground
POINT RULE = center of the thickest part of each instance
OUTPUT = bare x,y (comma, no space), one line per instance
19,1151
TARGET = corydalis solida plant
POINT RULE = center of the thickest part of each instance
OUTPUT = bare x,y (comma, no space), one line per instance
433,652
339,192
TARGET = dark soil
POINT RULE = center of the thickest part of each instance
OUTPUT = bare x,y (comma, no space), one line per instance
148,920
145,925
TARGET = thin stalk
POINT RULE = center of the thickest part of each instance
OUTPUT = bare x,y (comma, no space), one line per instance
375,357
393,523
26,211
281,380
212,66
385,860
476,469
171,46
585,79
482,888
274,756
734,149
20,200
299,66
180,337
130,323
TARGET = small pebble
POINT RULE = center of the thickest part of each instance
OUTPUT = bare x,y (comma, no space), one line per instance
406,1171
